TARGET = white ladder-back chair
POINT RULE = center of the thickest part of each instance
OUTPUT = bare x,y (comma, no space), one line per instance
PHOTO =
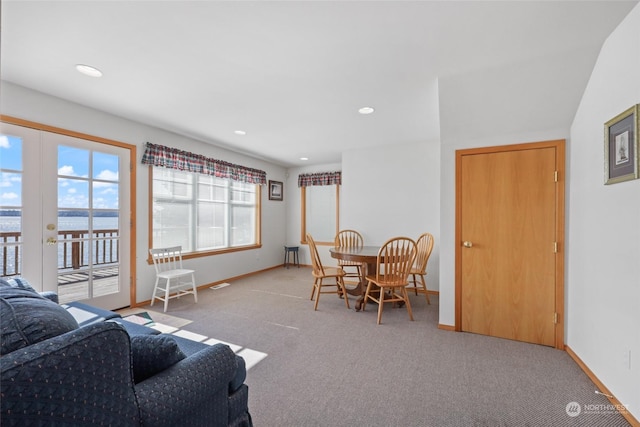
178,280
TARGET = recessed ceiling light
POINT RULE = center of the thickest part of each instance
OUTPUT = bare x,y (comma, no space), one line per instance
88,70
366,110
304,158
239,132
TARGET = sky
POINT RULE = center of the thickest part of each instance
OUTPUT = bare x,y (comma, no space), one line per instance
79,171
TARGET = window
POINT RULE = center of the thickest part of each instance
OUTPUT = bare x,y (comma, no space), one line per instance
202,213
320,196
320,208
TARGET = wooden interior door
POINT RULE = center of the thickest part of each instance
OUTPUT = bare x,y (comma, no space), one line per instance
509,228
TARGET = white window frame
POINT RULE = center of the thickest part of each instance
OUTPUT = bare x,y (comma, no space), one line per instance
192,199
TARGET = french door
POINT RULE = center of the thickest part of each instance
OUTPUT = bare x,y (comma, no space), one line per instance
65,211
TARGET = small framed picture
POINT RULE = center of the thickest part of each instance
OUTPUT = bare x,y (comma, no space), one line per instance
621,147
275,190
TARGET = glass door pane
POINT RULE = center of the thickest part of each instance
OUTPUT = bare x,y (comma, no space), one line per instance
11,205
88,223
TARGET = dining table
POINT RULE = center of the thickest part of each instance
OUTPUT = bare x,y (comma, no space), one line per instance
368,256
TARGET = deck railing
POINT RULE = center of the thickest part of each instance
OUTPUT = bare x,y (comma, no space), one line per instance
73,249
10,251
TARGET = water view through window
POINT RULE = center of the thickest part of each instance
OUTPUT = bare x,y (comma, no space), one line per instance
86,231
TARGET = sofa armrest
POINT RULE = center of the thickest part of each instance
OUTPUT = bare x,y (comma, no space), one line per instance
80,377
192,392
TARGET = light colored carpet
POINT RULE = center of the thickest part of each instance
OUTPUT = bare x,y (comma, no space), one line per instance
168,324
336,367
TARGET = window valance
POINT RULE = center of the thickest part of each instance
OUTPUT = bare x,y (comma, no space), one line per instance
172,158
321,178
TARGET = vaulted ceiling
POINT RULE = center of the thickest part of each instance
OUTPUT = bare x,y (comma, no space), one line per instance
293,74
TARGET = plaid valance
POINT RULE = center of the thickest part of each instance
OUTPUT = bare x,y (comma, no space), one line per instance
321,178
172,158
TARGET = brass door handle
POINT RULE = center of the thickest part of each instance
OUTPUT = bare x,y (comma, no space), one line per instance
51,241
467,244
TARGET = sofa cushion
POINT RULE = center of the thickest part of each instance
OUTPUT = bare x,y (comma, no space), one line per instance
18,283
27,318
22,283
153,354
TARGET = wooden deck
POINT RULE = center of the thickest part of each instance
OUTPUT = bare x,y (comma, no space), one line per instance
75,286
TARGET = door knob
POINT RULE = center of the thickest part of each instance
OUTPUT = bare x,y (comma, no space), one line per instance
467,244
51,241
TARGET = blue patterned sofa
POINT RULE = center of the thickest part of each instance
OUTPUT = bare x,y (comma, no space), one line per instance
105,371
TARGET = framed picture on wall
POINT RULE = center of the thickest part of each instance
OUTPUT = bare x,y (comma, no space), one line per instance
275,190
621,147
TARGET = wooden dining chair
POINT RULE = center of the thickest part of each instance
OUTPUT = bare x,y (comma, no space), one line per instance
394,261
419,269
320,273
350,239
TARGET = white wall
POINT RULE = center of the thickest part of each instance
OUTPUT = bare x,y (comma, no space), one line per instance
386,192
603,289
26,104
393,191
